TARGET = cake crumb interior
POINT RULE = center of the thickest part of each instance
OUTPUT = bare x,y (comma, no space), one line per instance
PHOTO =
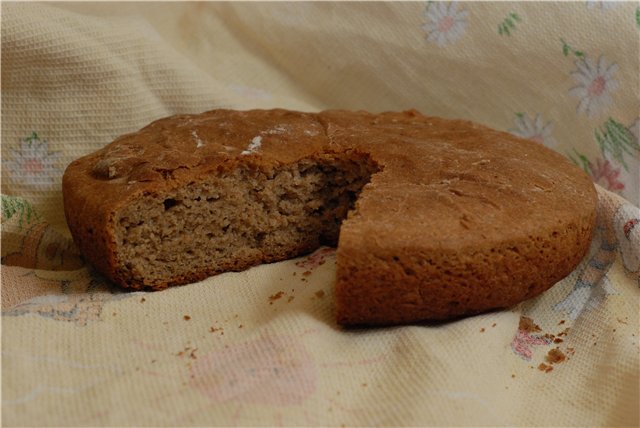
239,218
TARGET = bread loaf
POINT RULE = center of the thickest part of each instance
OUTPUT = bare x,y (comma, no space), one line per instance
433,218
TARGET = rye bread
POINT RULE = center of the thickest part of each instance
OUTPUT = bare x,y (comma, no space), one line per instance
433,218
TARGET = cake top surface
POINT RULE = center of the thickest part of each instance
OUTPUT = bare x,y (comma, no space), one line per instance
443,183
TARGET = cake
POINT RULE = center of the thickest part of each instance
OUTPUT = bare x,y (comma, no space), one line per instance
433,218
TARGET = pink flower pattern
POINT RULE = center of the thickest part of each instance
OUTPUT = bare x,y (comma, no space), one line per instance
523,340
604,174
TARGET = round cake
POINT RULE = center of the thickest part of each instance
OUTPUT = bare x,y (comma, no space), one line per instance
433,218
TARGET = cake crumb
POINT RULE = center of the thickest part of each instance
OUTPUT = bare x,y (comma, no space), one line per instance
143,300
275,297
493,325
527,324
319,294
557,340
290,298
513,375
306,273
186,317
482,330
561,322
545,368
555,356
240,326
214,329
188,350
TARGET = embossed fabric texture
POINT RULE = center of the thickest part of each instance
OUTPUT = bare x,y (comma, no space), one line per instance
261,347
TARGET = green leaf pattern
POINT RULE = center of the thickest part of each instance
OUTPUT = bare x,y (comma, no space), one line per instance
508,24
615,139
14,205
566,50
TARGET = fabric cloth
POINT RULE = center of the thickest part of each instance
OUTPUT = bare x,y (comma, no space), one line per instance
261,347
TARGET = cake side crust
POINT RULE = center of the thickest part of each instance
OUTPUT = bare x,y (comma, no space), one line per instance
382,285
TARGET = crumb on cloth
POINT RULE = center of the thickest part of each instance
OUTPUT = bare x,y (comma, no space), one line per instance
527,324
545,368
555,356
275,297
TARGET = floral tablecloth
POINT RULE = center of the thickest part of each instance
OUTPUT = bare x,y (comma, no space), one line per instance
261,347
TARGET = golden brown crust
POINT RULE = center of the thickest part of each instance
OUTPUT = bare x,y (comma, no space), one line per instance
461,219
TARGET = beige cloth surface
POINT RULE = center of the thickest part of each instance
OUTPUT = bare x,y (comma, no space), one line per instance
261,347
